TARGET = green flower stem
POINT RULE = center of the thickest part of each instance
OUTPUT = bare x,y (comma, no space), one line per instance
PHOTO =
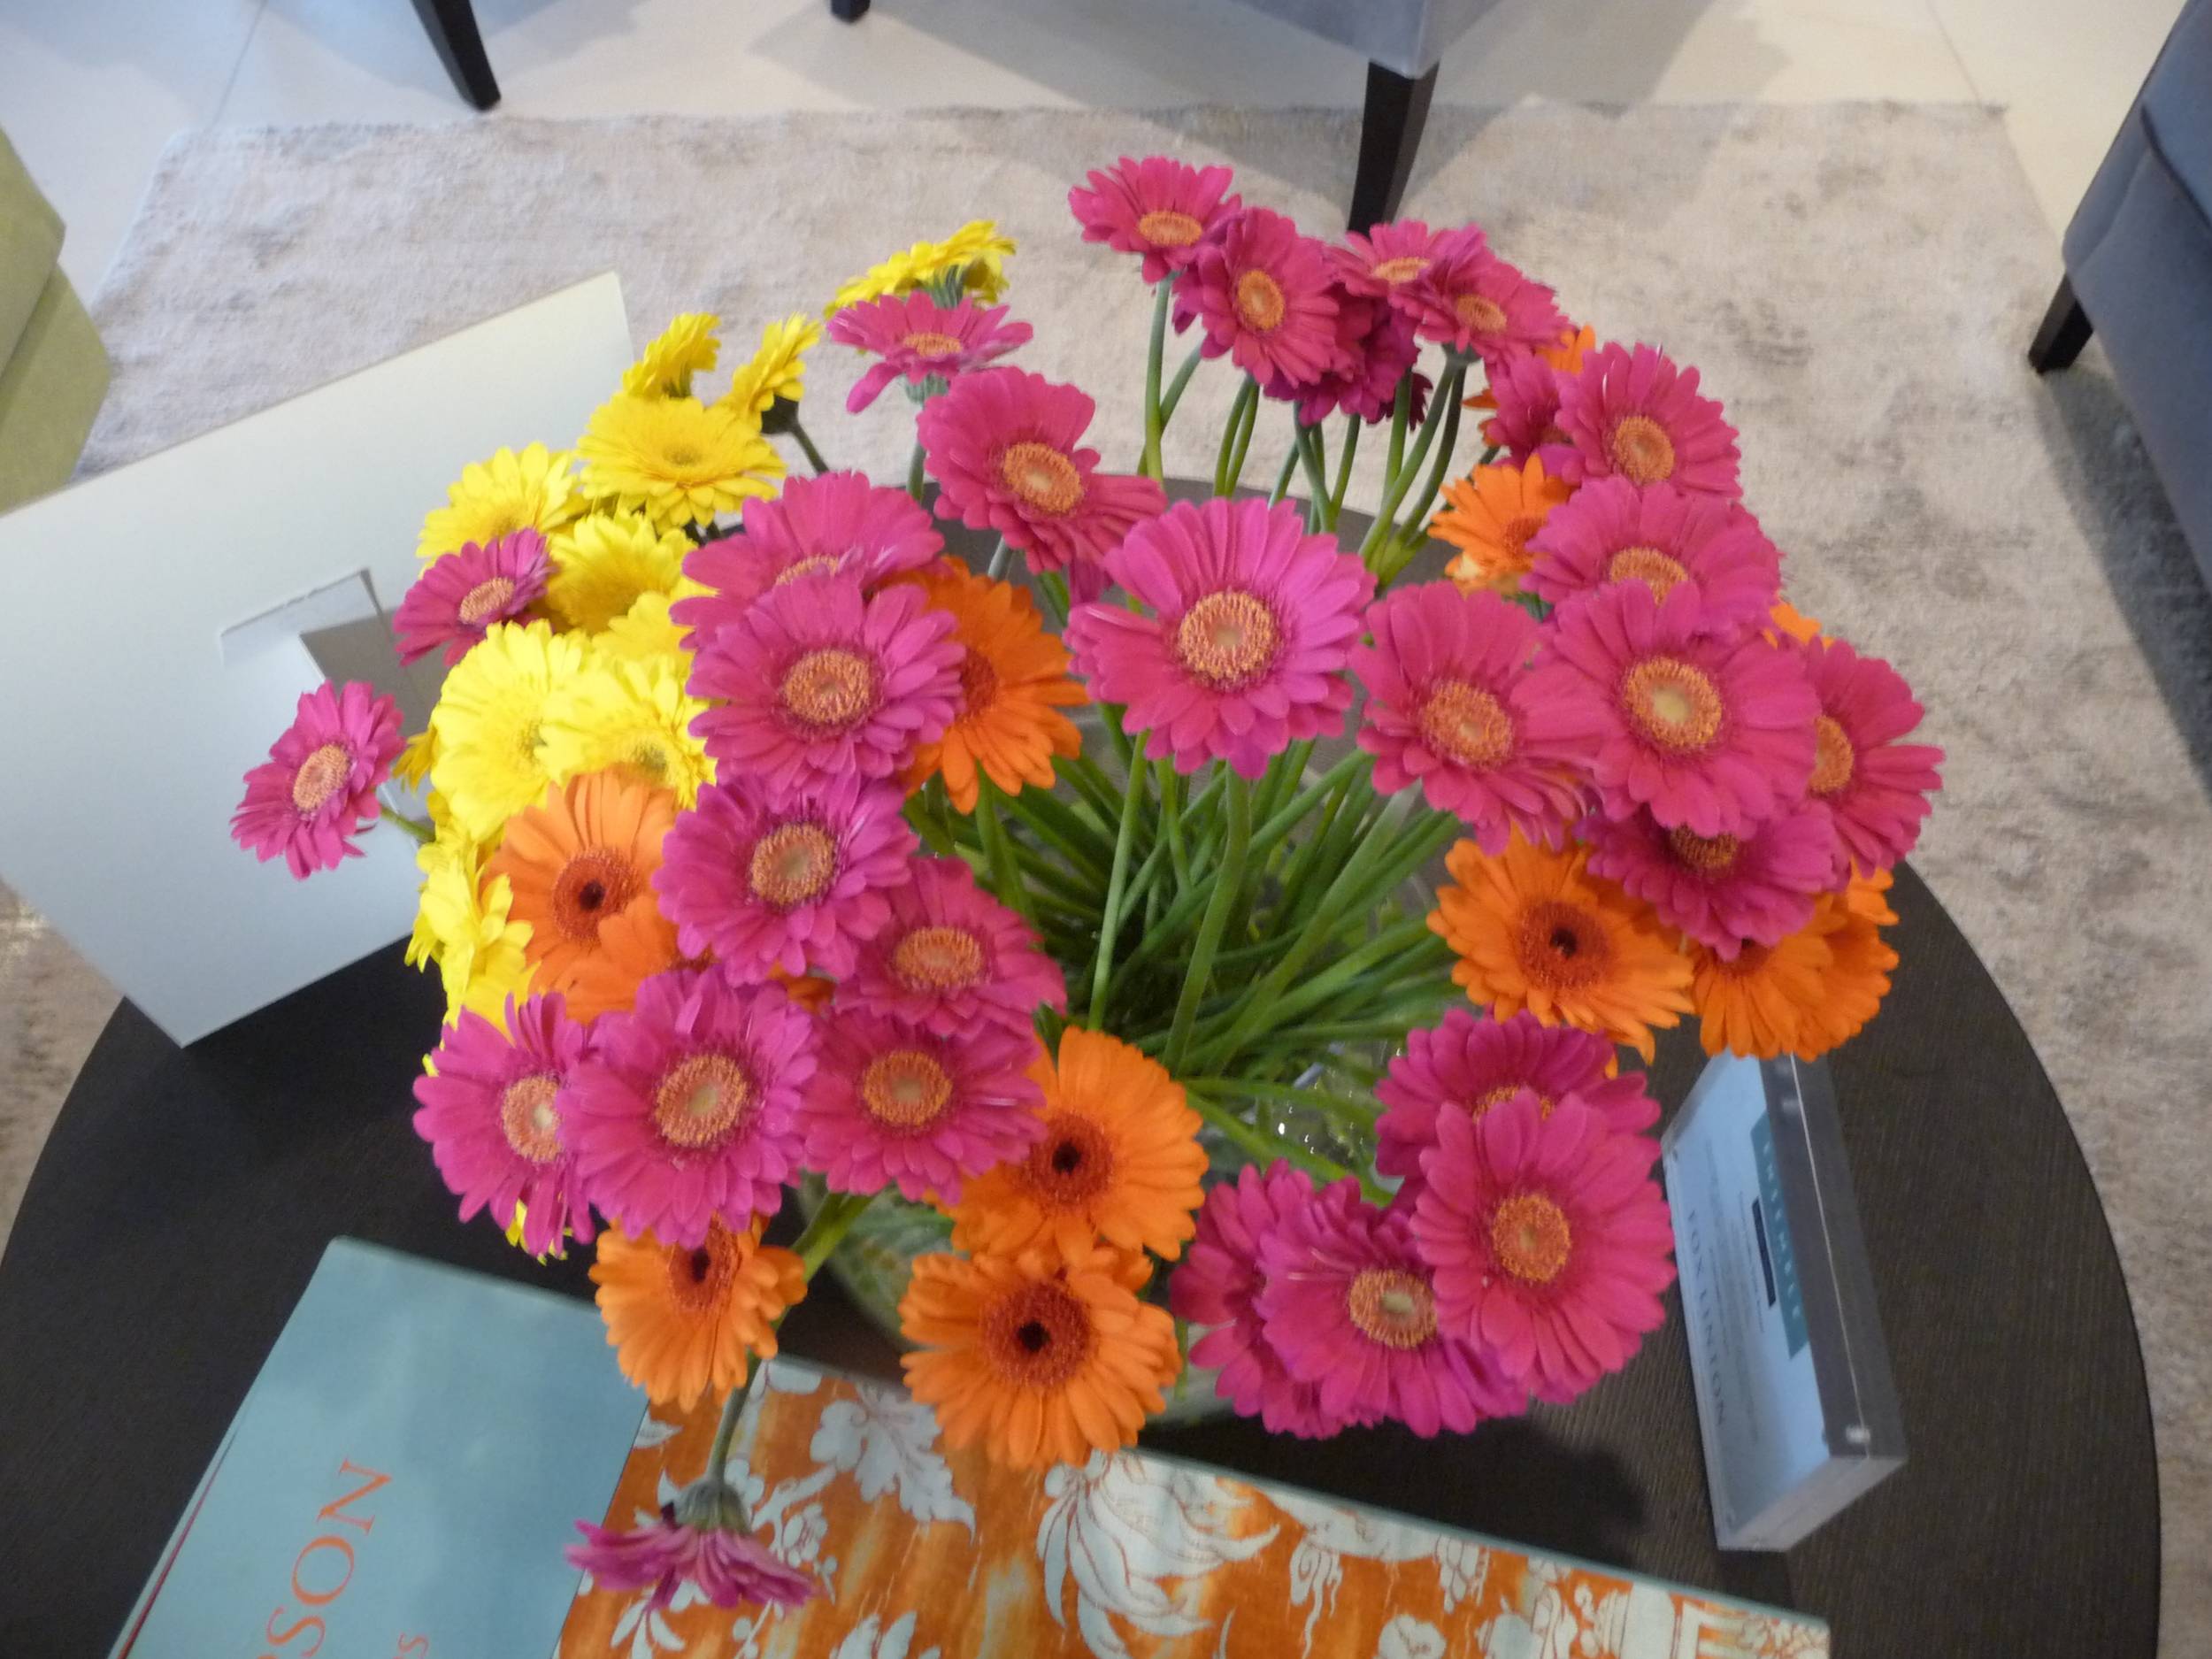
1244,440
1400,418
1005,874
1385,524
1406,938
1109,918
1174,396
1000,556
1351,424
1307,441
1085,777
1361,1114
1284,773
1146,883
726,1431
1282,478
1171,819
813,455
929,827
1329,844
1112,714
415,827
914,471
1266,1148
1415,531
1061,830
1153,424
1247,391
1217,917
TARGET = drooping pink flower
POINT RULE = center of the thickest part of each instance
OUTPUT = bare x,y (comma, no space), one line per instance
1473,303
1727,891
1525,388
836,524
1244,653
1633,415
1470,1064
491,1109
792,881
463,593
1159,207
317,790
731,1568
1347,1303
1876,787
1711,734
1447,707
685,1109
1265,296
1389,261
1550,1242
1375,350
1002,446
1664,537
819,680
952,959
916,337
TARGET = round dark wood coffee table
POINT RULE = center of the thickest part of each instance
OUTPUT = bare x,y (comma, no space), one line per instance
185,1196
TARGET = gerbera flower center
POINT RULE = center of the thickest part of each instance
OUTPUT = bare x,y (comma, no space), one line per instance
698,1279
682,456
905,1088
648,759
926,344
1563,946
1165,228
486,599
1259,299
1466,722
792,864
1070,1165
701,1098
592,886
1517,532
1711,854
1641,450
321,775
1834,759
1042,476
813,564
1671,703
1039,1337
1494,1098
1647,565
1529,1238
1404,268
1478,313
979,682
1392,1307
525,1114
1228,639
938,959
830,689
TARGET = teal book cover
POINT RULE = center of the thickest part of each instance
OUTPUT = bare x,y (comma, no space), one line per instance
402,1477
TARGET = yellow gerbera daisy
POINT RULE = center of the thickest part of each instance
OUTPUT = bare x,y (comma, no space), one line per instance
645,633
630,716
479,951
603,565
414,763
777,369
488,718
675,459
533,489
686,347
976,249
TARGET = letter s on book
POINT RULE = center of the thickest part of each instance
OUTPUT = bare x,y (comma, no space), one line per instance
295,1627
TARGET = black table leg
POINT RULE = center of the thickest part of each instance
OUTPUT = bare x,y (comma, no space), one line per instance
452,25
1390,132
2065,331
849,11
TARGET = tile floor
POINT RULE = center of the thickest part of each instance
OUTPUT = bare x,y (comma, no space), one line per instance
91,89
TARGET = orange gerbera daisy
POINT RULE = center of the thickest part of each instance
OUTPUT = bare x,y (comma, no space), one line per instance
1814,989
634,944
1043,1361
1789,620
1013,682
1535,931
580,865
1493,512
682,1321
1119,1158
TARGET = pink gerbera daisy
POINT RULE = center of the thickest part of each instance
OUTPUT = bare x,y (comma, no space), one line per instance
1549,1240
1002,446
952,959
1633,415
1375,348
1665,538
685,1111
836,524
1709,733
1348,1304
916,337
731,1568
1470,1064
1876,787
1253,620
463,593
894,1103
1159,207
317,790
1725,891
1526,388
1264,296
491,1109
1476,304
1218,1285
1389,261
1447,707
784,881
817,680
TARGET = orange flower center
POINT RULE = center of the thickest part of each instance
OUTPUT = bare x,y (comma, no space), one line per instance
1671,704
1259,302
938,959
698,1279
1708,853
1478,314
1563,946
1641,452
1042,476
829,690
1466,722
1392,1307
1039,1336
526,1113
321,775
1516,533
1165,228
485,599
1404,268
927,344
904,1088
813,564
701,1098
592,886
979,683
1529,1238
1228,639
1834,760
1504,1093
792,864
1072,1165
1647,565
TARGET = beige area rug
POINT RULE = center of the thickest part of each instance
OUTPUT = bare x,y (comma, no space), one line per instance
1856,282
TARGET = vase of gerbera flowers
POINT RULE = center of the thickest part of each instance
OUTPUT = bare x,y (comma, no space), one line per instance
1066,920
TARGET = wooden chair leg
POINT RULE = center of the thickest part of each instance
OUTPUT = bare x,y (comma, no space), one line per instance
453,31
849,11
1389,135
2065,331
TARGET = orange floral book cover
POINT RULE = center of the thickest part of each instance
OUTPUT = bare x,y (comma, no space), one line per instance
926,1552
